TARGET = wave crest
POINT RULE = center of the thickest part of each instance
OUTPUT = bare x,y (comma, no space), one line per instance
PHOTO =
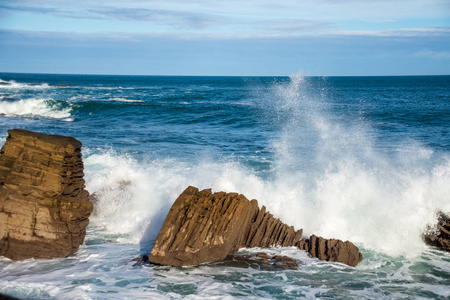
328,177
35,107
11,84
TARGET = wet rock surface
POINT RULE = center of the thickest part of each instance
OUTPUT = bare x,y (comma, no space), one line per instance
331,250
203,227
261,261
44,208
440,235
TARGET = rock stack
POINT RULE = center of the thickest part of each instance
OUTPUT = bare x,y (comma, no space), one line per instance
44,208
206,227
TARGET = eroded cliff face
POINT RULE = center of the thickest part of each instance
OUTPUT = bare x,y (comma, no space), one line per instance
44,208
204,227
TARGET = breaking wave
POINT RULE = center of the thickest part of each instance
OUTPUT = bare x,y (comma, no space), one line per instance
35,107
11,84
328,177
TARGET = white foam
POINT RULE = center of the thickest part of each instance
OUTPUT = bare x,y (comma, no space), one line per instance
127,100
335,183
11,84
328,179
132,194
34,107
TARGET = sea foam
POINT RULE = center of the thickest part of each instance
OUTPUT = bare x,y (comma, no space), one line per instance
35,107
328,177
11,84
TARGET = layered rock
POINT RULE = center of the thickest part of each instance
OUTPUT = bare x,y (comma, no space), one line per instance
260,261
204,227
331,250
440,236
44,207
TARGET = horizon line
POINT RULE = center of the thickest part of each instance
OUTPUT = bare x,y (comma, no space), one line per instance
154,75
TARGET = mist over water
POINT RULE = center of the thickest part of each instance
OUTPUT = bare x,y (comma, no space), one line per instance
343,185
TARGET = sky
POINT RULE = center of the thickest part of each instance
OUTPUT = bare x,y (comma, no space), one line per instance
226,37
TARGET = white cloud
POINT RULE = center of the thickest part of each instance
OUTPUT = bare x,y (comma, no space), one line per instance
332,10
238,19
409,32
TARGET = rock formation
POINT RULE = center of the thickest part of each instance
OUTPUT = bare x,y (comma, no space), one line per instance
260,261
331,250
44,207
440,236
203,227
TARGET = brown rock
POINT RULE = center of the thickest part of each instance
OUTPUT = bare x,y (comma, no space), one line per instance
440,235
263,255
331,250
44,207
261,261
204,227
284,262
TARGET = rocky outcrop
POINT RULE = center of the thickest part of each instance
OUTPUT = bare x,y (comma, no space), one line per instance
204,227
331,250
44,207
260,261
440,235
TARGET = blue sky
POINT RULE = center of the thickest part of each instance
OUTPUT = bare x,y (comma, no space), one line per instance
230,37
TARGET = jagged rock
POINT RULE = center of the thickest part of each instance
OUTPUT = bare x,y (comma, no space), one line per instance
440,236
44,208
204,227
261,261
140,261
331,250
284,262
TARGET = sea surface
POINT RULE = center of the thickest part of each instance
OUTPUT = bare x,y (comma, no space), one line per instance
365,159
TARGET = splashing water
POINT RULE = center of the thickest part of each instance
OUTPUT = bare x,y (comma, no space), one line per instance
323,154
343,186
12,84
34,107
329,178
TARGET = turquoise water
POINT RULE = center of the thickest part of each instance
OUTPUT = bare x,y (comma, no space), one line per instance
365,159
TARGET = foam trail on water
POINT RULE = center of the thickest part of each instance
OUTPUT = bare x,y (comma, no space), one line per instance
34,107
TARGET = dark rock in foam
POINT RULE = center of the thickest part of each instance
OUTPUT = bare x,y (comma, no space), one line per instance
44,208
204,227
440,235
261,261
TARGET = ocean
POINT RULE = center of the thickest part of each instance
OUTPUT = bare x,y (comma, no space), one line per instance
365,159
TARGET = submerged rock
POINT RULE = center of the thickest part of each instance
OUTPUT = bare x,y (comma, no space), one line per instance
331,250
203,227
261,261
439,236
44,208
